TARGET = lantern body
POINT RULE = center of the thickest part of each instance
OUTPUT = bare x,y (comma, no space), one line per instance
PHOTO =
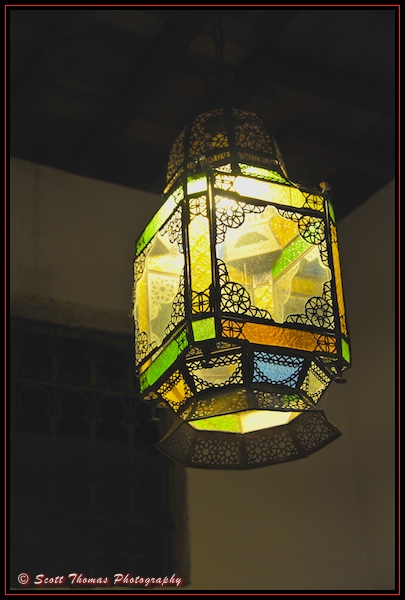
239,314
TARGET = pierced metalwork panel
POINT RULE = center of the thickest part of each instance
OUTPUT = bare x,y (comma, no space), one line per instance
89,491
301,437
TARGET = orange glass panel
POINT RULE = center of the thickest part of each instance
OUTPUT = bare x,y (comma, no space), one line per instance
271,335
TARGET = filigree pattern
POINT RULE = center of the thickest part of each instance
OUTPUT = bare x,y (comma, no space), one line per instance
178,444
279,447
315,373
325,343
276,369
208,132
289,214
176,155
282,402
225,182
173,228
235,298
219,376
314,432
175,401
140,261
200,301
250,132
178,310
311,229
232,213
198,206
208,407
233,329
142,346
318,311
313,202
216,452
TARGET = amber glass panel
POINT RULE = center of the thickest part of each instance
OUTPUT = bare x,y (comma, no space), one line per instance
271,335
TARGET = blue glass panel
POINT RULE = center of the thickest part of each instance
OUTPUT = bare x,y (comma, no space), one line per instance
277,369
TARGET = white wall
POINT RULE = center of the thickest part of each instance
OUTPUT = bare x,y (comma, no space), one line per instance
72,244
326,522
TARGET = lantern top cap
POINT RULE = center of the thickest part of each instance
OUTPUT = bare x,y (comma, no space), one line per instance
224,136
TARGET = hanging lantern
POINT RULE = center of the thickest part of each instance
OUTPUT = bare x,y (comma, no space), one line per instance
239,315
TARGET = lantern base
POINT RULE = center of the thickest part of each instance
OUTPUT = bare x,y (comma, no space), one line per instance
304,435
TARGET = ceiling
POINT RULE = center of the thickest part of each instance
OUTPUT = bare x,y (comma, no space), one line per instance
104,92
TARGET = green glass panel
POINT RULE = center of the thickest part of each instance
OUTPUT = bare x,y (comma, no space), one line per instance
196,183
221,423
289,254
345,351
159,219
262,173
204,329
331,212
164,360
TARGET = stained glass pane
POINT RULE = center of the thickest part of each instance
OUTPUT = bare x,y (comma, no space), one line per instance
219,371
175,391
338,279
271,335
346,351
261,173
269,192
163,361
159,219
204,329
276,369
271,265
249,420
159,287
228,423
200,262
196,183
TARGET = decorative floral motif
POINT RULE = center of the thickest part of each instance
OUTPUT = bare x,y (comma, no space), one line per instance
318,311
232,213
235,298
312,229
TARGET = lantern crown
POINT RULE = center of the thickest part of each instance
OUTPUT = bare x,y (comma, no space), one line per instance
224,136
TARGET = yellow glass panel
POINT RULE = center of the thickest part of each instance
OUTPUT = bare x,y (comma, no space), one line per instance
245,421
200,254
178,394
263,297
305,285
285,230
338,279
254,420
141,305
268,191
196,183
